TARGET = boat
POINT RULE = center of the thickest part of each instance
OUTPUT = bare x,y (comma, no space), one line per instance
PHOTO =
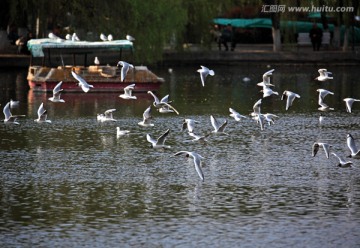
44,76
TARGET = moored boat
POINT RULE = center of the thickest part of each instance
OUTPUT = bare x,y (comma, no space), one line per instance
104,78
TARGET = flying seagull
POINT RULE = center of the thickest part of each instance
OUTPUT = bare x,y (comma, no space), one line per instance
349,102
81,82
128,92
317,145
342,163
164,102
197,161
56,93
125,68
9,118
324,75
146,122
42,115
290,98
204,72
159,142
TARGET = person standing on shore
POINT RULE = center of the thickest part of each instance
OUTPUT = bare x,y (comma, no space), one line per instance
316,37
226,36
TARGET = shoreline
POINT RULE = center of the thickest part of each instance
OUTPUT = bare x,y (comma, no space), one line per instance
244,53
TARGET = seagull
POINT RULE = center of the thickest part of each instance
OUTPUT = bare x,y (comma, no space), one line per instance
270,118
267,91
217,127
160,142
130,38
342,162
146,118
256,108
96,61
324,75
103,37
165,109
290,98
42,115
204,72
53,36
236,115
121,132
317,145
266,79
164,102
125,68
355,152
349,102
189,125
14,104
68,37
197,161
56,93
82,83
9,118
322,94
74,37
128,92
199,137
107,116
110,37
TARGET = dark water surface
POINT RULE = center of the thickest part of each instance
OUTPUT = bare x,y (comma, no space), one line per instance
73,183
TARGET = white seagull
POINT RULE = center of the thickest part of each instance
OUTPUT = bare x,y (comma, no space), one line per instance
110,37
96,61
200,138
128,92
204,72
267,91
130,38
266,79
164,102
160,142
189,125
107,116
125,68
42,115
54,37
317,145
349,102
197,161
218,128
74,37
322,94
103,37
236,115
68,37
342,162
290,98
56,93
324,75
146,122
81,82
121,132
355,152
9,118
256,108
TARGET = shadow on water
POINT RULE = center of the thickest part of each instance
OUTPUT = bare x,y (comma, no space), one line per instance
75,182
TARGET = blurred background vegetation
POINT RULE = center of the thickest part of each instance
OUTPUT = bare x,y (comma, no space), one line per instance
155,24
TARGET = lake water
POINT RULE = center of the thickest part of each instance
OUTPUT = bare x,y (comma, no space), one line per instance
73,183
